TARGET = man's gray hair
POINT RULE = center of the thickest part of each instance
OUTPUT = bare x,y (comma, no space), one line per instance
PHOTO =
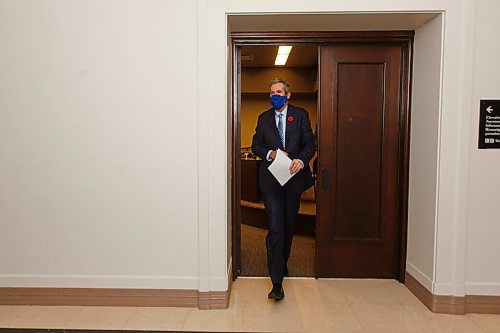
285,84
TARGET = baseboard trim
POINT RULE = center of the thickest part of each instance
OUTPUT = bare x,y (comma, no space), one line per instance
418,289
115,297
98,297
213,300
452,304
482,304
448,304
217,299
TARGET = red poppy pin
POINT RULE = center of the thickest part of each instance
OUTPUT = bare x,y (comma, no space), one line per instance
290,118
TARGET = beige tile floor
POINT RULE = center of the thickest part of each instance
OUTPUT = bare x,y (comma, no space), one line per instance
309,306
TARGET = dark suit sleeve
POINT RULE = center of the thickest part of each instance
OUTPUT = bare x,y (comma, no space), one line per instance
308,140
259,146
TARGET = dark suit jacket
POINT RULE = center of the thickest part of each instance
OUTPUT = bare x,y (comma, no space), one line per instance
299,142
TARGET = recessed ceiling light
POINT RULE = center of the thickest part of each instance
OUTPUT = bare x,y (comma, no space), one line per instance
282,56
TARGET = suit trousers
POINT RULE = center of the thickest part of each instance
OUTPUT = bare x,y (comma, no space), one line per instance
282,208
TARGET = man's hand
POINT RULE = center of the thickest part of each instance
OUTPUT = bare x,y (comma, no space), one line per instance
296,166
272,155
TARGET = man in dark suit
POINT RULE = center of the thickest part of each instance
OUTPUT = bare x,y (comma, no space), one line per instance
288,128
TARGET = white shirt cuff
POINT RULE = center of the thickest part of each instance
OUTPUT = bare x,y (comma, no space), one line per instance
270,159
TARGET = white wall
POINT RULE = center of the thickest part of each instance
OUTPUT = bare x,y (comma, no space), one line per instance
483,220
96,105
424,150
101,103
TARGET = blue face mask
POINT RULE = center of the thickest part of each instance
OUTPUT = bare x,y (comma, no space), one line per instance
278,101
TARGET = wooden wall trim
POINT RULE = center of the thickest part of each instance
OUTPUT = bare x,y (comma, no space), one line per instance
119,297
435,303
448,304
452,304
98,297
115,297
482,304
213,300
424,295
262,38
405,107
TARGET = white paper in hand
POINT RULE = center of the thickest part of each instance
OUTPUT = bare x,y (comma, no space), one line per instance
280,168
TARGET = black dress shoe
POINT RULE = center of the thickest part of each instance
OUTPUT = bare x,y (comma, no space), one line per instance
277,292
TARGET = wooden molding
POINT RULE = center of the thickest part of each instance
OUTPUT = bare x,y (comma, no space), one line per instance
98,297
435,303
213,300
424,295
482,304
448,304
217,299
118,297
452,304
262,38
115,297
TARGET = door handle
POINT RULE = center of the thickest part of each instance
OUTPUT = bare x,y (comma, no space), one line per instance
325,178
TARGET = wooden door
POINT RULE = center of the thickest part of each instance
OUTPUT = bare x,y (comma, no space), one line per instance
360,161
236,162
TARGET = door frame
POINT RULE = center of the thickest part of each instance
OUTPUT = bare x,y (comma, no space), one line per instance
401,38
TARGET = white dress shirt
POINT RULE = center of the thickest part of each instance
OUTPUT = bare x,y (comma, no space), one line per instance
283,119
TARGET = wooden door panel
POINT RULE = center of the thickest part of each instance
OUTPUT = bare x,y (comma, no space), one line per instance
359,161
360,124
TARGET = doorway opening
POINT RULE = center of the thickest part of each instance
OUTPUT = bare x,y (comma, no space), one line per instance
301,72
377,66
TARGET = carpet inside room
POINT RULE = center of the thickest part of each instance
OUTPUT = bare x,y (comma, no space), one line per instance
253,254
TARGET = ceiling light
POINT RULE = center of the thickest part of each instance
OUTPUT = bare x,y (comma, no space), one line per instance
282,55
